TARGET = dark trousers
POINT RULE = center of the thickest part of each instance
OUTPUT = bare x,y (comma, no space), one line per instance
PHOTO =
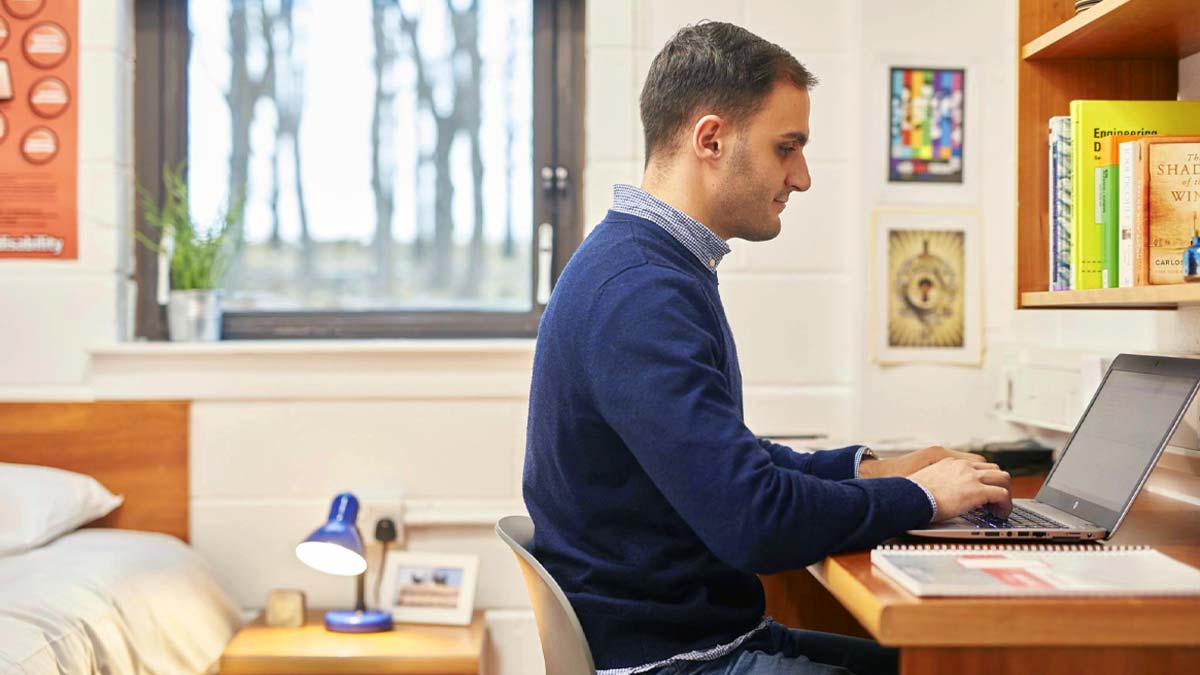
779,650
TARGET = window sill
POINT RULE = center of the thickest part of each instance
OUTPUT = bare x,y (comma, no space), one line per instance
313,369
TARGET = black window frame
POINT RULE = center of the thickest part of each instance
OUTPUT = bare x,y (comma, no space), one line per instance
162,43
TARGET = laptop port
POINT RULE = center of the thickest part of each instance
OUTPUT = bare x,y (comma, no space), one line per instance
991,534
1022,534
1039,534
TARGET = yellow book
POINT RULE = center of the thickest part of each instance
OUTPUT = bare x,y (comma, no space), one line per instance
1090,122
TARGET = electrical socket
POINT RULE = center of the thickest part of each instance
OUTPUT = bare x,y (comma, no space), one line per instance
371,510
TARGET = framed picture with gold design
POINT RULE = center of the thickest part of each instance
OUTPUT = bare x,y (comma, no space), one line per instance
925,277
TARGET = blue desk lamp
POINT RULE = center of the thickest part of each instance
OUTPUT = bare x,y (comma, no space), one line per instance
337,548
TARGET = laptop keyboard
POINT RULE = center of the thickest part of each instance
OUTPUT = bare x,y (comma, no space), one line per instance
1020,517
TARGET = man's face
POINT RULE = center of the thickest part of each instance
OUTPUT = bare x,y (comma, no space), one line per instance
766,164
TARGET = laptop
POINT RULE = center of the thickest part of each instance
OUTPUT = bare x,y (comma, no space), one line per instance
1111,452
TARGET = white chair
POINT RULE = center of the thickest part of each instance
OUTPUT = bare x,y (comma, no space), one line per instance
564,646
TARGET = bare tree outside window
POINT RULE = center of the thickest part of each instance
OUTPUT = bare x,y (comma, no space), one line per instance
383,150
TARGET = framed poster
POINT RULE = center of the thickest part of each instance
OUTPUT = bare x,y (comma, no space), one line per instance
39,120
927,298
929,150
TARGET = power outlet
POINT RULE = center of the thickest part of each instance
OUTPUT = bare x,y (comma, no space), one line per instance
371,510
369,513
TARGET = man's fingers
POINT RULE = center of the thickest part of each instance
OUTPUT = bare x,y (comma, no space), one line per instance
999,500
996,477
987,466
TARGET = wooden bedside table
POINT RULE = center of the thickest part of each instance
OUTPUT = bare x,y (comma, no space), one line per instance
408,649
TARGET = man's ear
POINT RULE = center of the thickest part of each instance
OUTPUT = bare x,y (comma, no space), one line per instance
708,137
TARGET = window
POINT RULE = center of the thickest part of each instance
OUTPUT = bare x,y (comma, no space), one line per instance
403,167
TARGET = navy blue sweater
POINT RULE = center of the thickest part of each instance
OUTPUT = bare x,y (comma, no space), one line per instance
654,505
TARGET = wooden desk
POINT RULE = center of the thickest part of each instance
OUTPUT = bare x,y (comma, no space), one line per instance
1010,635
408,649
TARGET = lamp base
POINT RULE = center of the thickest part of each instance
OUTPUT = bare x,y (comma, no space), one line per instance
350,621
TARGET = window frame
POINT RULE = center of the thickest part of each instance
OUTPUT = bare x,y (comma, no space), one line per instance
162,43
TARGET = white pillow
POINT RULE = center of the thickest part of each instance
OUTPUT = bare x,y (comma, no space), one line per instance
39,504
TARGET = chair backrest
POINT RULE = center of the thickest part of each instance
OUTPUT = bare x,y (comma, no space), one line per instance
564,646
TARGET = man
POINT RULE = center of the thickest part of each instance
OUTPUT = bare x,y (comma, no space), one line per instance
655,507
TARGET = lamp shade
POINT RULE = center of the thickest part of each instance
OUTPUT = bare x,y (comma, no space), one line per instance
336,547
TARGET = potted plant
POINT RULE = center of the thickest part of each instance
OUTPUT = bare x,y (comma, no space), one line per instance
198,258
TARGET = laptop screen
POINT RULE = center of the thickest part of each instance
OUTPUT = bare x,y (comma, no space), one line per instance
1120,435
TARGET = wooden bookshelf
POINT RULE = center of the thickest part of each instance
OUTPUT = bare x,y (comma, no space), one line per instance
1141,297
1118,49
1122,29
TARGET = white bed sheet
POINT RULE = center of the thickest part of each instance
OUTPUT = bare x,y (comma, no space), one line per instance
112,601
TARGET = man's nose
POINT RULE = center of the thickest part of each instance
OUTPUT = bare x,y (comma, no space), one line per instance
799,179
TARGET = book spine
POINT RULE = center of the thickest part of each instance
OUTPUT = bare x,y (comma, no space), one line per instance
1125,215
1052,201
1065,244
1141,228
1106,216
1077,148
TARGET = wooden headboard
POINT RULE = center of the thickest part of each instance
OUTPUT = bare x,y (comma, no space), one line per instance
136,449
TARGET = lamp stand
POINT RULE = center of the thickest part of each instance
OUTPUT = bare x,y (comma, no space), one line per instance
360,620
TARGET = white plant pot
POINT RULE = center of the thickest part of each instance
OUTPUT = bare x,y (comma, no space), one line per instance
194,316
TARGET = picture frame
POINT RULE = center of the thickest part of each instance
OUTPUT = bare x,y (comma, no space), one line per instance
422,587
959,188
927,298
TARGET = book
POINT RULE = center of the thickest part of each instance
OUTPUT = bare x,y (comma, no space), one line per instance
1052,203
1025,570
1141,229
1107,206
1172,205
1126,153
1060,200
1092,121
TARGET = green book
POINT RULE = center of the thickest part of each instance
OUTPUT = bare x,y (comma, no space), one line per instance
1107,185
1091,122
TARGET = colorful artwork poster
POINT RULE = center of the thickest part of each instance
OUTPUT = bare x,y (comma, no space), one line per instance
925,127
39,121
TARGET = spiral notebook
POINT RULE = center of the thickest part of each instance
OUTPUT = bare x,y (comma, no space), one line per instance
1035,570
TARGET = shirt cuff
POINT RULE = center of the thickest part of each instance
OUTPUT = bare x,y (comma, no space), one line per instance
858,457
932,502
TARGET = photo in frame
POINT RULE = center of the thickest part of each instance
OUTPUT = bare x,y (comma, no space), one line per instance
420,587
925,278
929,118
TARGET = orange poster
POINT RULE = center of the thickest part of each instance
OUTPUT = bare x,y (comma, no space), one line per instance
39,128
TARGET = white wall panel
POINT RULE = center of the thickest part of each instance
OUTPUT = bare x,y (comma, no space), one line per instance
801,26
290,449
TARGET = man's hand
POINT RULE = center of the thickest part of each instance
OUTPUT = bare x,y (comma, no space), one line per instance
959,485
907,465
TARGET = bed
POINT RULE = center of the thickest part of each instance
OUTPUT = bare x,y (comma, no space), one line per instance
125,594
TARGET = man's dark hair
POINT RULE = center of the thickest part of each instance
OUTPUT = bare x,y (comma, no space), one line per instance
719,66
